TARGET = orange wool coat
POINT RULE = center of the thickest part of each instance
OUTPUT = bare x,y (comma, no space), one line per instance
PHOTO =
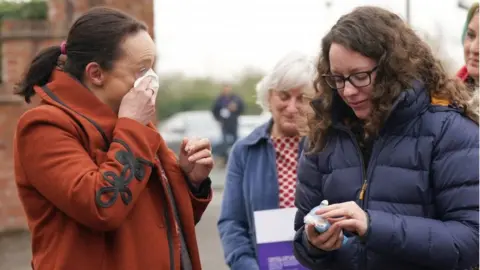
91,187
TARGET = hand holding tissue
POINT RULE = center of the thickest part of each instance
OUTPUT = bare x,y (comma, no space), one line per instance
321,224
152,86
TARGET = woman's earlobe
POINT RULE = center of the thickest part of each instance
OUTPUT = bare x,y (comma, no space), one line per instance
94,74
61,62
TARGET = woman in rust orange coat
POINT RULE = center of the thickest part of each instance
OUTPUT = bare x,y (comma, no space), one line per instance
99,186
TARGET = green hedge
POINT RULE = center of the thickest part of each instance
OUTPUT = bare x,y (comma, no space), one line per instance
28,10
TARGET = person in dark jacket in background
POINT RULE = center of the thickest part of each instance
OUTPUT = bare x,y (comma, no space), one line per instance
227,108
393,147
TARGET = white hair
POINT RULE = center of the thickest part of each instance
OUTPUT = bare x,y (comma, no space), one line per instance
294,70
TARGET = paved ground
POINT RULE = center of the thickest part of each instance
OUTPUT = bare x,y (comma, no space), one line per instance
211,252
15,247
15,251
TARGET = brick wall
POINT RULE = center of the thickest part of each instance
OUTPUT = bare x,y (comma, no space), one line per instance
21,40
141,9
65,10
11,212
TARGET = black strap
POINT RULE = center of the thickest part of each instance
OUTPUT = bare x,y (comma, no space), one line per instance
97,126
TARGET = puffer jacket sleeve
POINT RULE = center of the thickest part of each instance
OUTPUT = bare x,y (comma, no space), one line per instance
308,195
233,225
451,241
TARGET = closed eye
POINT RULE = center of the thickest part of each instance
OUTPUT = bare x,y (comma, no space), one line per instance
283,95
360,76
142,72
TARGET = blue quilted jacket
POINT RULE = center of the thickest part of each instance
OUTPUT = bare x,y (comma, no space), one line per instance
421,193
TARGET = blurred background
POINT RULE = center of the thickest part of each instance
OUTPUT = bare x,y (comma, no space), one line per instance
202,45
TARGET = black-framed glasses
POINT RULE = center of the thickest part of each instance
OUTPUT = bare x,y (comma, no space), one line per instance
357,79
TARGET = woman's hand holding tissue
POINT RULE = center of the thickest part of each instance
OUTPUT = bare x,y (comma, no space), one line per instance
347,216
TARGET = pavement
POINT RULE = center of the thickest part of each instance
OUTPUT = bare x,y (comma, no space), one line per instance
218,178
15,251
211,252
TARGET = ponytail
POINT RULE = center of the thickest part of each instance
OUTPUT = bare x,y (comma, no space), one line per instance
39,72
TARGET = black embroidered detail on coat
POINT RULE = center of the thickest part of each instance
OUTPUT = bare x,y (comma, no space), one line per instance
132,167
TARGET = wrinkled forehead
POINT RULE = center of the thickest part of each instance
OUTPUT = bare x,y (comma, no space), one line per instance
296,83
139,48
306,89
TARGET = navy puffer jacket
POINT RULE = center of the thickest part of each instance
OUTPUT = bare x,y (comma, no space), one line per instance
421,194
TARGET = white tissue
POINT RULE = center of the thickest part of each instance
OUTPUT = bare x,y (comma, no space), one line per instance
154,84
313,218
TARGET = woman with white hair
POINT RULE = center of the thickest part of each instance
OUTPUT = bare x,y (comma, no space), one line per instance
261,172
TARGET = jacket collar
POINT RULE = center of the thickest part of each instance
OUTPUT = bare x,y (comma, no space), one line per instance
74,95
260,133
409,104
66,92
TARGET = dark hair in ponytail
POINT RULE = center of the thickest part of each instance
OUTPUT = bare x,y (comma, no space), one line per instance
39,72
94,37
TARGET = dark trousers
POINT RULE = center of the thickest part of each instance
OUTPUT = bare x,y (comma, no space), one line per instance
229,138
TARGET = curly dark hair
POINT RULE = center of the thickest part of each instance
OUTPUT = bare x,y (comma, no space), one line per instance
402,58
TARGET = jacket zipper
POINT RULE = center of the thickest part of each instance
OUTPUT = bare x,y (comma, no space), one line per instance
363,190
361,195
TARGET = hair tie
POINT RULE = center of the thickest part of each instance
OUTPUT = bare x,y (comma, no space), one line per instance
63,47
